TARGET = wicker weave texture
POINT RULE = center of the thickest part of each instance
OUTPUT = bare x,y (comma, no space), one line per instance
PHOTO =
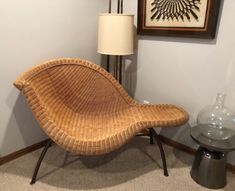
83,109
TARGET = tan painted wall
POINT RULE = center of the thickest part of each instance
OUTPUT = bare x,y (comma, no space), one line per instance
186,72
32,32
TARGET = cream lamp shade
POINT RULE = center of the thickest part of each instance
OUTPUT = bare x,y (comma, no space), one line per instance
116,34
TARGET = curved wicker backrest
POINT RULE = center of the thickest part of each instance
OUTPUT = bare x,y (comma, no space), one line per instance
82,86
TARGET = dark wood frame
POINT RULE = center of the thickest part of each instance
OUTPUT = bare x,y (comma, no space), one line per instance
208,31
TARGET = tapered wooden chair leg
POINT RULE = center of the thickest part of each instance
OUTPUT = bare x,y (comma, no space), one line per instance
161,151
34,177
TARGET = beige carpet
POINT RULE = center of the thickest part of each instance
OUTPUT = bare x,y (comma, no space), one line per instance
137,167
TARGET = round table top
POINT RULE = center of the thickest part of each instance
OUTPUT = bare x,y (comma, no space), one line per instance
198,136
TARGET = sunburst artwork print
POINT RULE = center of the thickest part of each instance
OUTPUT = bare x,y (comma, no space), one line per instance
181,18
176,13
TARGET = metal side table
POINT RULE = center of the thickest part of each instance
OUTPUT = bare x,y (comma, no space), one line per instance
209,167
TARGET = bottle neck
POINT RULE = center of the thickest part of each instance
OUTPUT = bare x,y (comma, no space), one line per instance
220,99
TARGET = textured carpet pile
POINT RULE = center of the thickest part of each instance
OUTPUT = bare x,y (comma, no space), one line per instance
135,167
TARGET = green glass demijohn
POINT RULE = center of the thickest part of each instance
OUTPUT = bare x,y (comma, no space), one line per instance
217,121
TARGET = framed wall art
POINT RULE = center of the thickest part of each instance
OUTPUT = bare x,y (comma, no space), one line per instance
184,18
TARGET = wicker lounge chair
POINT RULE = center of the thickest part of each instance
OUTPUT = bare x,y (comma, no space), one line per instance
84,110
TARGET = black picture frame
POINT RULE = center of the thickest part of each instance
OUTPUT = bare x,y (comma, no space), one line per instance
161,10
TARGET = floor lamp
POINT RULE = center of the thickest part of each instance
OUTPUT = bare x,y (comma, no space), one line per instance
116,37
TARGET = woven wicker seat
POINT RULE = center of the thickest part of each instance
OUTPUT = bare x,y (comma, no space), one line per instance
83,109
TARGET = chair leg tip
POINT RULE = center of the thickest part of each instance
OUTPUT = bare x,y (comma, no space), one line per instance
166,174
32,182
